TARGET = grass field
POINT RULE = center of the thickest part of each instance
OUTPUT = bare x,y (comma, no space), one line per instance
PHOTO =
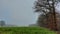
25,30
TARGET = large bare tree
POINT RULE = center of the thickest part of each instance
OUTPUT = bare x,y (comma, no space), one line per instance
45,7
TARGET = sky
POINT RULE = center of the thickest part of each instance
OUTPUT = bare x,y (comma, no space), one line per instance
19,12
58,7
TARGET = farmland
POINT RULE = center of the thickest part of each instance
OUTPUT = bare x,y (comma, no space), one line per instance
25,30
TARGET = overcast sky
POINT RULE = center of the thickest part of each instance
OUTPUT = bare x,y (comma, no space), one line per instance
18,12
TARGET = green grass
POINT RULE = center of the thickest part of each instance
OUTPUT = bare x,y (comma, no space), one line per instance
25,30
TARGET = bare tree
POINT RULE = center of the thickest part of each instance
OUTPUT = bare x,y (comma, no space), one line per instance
46,7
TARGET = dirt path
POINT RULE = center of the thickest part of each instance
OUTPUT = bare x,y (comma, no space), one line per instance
58,32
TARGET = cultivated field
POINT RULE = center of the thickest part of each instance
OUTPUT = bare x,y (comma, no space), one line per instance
25,30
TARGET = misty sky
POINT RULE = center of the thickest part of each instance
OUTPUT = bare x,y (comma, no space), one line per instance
18,12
